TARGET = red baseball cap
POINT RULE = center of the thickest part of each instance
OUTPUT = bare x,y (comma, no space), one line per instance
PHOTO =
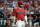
20,3
26,6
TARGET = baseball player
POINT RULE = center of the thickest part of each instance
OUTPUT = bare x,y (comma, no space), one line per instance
36,21
20,14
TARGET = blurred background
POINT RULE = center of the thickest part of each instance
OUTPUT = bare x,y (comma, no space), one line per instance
32,9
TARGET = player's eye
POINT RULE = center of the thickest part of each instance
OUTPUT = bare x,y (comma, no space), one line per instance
21,4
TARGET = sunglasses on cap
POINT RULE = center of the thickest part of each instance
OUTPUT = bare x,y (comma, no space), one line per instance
21,4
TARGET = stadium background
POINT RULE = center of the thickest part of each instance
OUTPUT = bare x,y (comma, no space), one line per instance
32,8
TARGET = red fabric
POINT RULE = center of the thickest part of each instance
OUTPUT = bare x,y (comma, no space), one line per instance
29,20
26,6
7,12
19,16
16,20
35,6
9,16
38,9
8,23
10,12
39,16
19,3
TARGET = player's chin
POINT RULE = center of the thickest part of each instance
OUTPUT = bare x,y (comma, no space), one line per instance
21,7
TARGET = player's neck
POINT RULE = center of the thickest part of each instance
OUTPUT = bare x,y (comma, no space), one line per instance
20,8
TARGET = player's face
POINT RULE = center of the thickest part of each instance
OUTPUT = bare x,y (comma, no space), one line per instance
21,6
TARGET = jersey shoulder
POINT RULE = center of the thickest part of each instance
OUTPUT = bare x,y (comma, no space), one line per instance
16,9
23,9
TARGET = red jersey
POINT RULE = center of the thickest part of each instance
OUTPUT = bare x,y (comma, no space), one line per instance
19,13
